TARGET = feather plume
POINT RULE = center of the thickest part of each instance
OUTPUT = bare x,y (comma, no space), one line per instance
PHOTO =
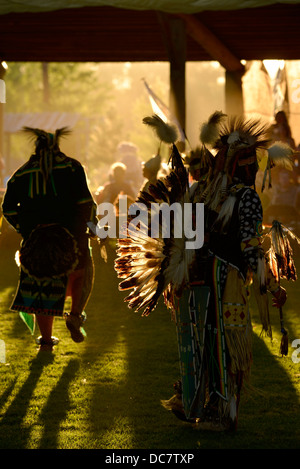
33,132
214,193
280,253
165,132
225,213
62,132
177,165
180,170
209,132
281,154
38,133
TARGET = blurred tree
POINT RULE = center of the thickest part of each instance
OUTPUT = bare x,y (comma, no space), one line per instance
75,88
71,87
112,101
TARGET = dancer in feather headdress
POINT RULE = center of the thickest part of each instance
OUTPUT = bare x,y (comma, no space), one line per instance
231,256
48,202
206,287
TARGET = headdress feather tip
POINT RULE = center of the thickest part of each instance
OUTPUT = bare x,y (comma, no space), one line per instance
166,132
209,132
37,133
280,154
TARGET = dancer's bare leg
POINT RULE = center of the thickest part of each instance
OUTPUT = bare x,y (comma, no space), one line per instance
45,324
80,285
75,287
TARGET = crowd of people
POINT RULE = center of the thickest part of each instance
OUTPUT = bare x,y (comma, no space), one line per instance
48,202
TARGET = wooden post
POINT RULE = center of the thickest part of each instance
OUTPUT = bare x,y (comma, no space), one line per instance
218,51
46,87
177,74
2,102
234,93
173,30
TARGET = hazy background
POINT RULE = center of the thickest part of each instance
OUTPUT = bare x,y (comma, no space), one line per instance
107,101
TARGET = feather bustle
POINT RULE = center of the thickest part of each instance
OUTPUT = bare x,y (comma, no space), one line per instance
149,266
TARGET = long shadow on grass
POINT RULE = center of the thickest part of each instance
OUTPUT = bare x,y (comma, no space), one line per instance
270,410
106,326
17,410
53,413
127,413
6,394
57,407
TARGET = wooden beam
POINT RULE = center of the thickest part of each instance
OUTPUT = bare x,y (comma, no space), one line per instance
209,42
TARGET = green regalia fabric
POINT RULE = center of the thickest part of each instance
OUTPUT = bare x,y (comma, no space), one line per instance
40,297
215,340
29,320
190,322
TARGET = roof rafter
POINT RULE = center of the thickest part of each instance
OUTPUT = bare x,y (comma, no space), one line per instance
210,42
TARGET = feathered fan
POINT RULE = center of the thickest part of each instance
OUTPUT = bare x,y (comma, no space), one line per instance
281,264
151,265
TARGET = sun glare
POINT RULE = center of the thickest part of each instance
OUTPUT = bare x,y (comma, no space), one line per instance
273,66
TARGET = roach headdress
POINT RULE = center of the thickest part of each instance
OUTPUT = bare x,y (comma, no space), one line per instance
46,147
237,143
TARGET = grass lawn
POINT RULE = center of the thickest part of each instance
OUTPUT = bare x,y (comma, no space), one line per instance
105,393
